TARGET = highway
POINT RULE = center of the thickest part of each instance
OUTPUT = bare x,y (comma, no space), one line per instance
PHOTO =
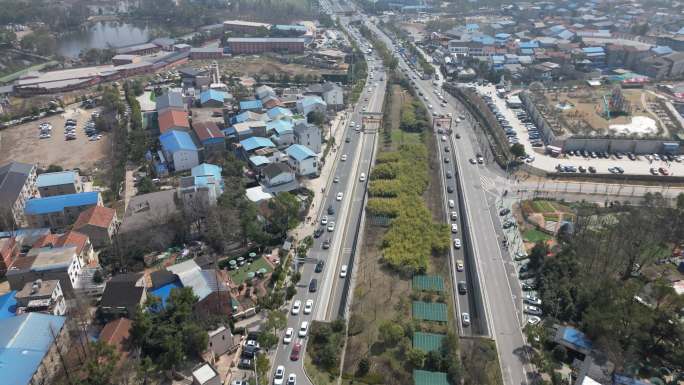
329,295
491,266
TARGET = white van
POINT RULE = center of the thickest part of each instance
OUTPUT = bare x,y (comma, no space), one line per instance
362,177
443,138
451,204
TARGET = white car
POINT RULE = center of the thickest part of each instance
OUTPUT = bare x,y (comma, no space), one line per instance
289,333
308,306
331,226
279,376
362,177
459,265
343,157
457,243
343,271
533,320
452,204
339,196
465,319
296,306
324,220
292,379
304,329
532,300
454,229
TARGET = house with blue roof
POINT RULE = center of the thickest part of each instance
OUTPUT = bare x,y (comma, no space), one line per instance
251,105
27,348
8,305
202,188
179,150
281,132
59,211
248,116
532,44
308,135
254,143
279,113
213,98
59,183
302,159
258,161
310,104
472,27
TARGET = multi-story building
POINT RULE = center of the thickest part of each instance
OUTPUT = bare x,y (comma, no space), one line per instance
244,26
42,296
17,186
8,251
202,189
59,183
302,159
99,223
255,45
48,263
308,135
60,211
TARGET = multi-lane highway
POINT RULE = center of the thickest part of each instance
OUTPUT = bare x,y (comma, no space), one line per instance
352,158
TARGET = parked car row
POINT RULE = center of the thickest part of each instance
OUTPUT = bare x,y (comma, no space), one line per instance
620,155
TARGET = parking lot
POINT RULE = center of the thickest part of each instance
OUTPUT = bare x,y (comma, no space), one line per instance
22,143
639,165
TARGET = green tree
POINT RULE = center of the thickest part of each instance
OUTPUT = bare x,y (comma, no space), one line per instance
416,357
518,150
262,366
390,332
275,321
364,367
267,340
316,117
100,365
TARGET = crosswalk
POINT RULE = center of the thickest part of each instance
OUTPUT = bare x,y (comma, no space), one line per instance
487,183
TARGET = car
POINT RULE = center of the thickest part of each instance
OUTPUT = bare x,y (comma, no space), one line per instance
465,319
446,149
343,157
279,375
532,300
459,265
454,228
331,210
308,306
292,379
450,189
326,244
663,171
529,309
504,211
318,232
452,204
44,136
313,285
446,160
296,350
454,215
289,333
324,220
343,271
348,139
296,306
331,226
245,363
520,256
319,266
472,161
592,169
239,382
533,320
449,175
362,177
303,329
480,159
654,171
339,196
508,224
457,243
336,180
582,169
528,286
462,287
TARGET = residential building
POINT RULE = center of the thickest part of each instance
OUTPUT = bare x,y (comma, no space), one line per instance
48,263
207,284
254,143
281,132
212,98
115,333
42,296
331,93
211,138
251,105
139,49
264,91
17,185
99,223
248,116
302,159
179,149
276,174
121,299
165,43
245,130
271,102
202,189
206,53
60,211
31,345
245,26
256,45
308,135
205,375
222,341
8,251
146,218
194,78
84,248
170,100
279,113
310,104
59,183
172,119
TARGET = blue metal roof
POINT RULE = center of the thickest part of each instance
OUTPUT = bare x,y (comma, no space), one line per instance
57,203
163,292
593,50
290,27
8,305
278,111
502,36
256,142
576,338
55,178
472,27
527,51
528,44
259,160
251,104
661,50
566,35
299,152
281,127
174,140
205,169
24,341
311,100
215,95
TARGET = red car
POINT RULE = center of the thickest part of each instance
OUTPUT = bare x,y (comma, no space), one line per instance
294,356
663,171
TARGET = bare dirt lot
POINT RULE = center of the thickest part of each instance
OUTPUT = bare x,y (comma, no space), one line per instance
260,65
21,143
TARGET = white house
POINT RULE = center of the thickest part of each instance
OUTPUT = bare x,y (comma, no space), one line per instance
276,174
308,135
302,159
330,92
308,104
179,149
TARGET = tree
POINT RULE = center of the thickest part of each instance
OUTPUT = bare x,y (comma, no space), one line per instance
537,255
54,168
267,340
276,320
518,150
100,364
316,117
390,332
262,366
416,357
364,367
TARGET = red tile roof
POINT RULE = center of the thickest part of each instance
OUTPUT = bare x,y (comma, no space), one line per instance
73,238
207,130
173,119
98,216
116,332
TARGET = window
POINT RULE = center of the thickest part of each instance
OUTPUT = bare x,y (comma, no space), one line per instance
223,337
211,344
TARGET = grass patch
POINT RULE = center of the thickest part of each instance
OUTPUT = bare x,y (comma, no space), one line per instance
542,206
239,276
551,217
153,96
324,350
400,137
480,362
535,236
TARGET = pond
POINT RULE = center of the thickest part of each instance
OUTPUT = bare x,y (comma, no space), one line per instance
102,34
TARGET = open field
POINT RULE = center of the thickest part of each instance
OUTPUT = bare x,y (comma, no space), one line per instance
260,65
21,143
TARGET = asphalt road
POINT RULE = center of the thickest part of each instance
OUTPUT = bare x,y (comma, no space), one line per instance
347,213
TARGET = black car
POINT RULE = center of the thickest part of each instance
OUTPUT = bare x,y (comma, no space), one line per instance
504,212
245,363
318,232
508,224
462,287
313,285
348,139
319,266
331,210
450,189
326,244
528,286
